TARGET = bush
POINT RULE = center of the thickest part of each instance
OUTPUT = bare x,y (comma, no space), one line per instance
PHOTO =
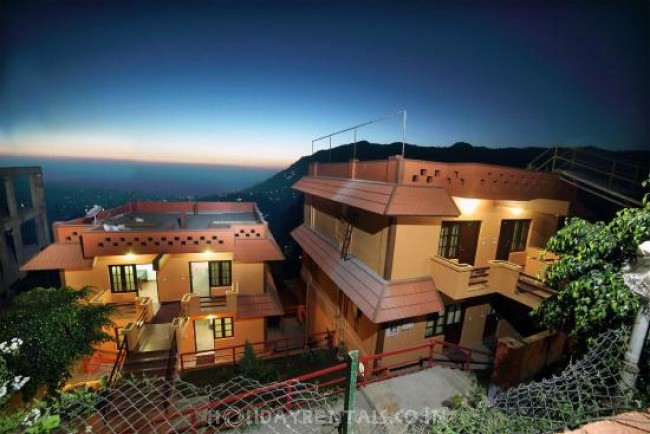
254,368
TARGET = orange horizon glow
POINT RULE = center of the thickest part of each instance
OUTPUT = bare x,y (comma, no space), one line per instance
202,160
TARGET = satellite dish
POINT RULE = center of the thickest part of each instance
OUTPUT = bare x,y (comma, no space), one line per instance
92,213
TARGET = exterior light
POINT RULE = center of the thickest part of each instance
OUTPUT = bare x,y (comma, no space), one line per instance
130,255
517,210
467,206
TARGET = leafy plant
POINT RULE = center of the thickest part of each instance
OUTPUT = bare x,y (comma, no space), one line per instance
592,295
57,327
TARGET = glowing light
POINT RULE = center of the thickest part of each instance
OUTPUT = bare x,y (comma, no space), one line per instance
467,206
517,210
130,255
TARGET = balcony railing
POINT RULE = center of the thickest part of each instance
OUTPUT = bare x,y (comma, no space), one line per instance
192,304
460,281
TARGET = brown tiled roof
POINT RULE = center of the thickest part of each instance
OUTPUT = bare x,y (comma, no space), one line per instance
378,299
258,305
382,197
59,256
264,249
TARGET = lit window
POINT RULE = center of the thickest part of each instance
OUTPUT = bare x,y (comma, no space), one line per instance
123,278
220,273
223,328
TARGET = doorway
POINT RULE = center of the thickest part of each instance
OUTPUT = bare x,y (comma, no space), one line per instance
513,237
459,240
204,334
200,278
148,283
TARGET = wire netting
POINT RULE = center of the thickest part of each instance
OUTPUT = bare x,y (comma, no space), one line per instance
587,390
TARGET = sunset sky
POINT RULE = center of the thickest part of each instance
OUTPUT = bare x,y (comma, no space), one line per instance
252,83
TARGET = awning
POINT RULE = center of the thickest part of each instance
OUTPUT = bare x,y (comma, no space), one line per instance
59,256
379,299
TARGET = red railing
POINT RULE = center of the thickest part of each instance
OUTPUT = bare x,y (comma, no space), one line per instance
376,367
264,349
328,381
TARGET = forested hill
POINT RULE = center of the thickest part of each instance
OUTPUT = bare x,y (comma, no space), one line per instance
282,206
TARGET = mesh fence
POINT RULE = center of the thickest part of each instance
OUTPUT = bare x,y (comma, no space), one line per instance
586,390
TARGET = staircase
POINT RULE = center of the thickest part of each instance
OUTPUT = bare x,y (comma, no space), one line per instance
149,363
616,181
479,276
532,286
347,240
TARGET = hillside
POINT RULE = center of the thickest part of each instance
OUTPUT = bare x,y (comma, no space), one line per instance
282,206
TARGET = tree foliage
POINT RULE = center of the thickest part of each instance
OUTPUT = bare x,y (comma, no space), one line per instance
57,328
254,368
592,295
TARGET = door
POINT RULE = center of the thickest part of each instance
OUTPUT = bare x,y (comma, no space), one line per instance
458,240
454,317
468,242
204,334
199,278
513,236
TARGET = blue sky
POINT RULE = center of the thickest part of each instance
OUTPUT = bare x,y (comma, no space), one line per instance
252,83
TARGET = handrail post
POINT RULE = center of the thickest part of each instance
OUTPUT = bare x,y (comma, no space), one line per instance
349,405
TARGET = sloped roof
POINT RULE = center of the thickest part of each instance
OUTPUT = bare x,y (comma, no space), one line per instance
59,256
381,197
258,250
380,300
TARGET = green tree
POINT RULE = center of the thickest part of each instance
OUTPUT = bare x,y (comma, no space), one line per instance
57,327
588,276
254,368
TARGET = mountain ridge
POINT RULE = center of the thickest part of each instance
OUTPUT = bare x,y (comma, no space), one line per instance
282,206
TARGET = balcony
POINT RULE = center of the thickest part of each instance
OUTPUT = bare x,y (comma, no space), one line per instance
193,304
125,308
461,281
458,280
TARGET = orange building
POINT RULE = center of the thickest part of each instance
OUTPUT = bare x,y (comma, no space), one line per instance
400,251
194,270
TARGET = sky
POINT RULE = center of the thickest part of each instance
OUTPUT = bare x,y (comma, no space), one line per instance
252,83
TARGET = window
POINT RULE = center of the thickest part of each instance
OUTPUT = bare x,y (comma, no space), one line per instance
123,278
223,328
220,273
436,322
449,239
520,235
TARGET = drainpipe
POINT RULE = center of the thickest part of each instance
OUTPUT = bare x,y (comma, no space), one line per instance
637,278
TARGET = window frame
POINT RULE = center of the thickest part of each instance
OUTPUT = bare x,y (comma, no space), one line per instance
223,329
437,322
124,278
219,274
449,240
520,234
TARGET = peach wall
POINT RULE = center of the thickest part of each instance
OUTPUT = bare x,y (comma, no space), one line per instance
417,238
474,324
406,338
250,277
369,237
99,278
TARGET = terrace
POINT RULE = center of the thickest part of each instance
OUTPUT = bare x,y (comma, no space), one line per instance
474,180
460,281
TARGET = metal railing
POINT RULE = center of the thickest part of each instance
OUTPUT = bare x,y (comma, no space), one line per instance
119,360
265,349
